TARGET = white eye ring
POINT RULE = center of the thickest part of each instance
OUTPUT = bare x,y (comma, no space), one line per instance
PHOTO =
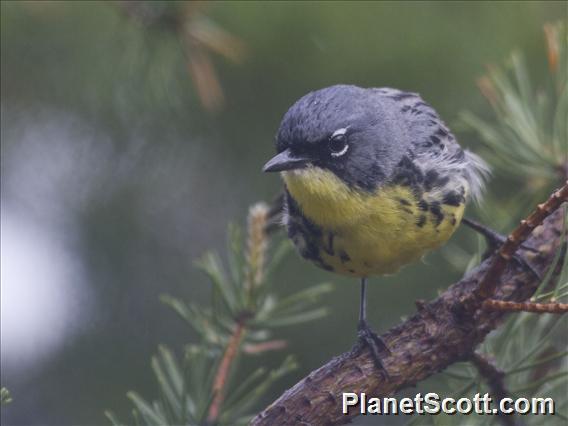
340,153
339,134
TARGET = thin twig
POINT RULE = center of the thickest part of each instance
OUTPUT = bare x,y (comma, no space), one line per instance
223,371
541,308
271,345
257,244
490,280
495,379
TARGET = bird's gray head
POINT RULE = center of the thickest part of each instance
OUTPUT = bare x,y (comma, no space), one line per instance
358,134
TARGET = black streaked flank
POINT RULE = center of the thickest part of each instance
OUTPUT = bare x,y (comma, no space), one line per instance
436,212
408,174
344,256
329,248
453,198
303,232
433,179
430,179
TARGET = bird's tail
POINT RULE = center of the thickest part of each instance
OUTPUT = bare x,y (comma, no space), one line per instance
477,172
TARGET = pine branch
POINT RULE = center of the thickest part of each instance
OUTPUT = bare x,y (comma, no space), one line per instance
199,38
424,344
223,371
272,345
256,247
489,282
541,308
200,389
495,380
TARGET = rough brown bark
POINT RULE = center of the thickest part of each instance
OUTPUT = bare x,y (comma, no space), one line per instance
426,343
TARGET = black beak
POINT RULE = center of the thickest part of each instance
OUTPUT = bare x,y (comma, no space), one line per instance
285,161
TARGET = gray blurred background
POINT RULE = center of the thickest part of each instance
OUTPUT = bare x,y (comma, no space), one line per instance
128,146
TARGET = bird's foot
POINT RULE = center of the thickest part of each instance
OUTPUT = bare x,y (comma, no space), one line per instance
494,240
367,337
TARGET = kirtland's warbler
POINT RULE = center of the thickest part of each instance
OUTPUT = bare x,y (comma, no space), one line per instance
373,180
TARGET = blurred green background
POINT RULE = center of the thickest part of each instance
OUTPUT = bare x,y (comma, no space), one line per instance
121,164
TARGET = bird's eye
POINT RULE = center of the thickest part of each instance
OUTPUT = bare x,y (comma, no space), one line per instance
338,144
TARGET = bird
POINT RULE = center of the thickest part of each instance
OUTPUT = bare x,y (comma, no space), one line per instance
373,180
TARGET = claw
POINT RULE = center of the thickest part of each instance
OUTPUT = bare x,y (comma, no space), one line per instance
367,337
495,239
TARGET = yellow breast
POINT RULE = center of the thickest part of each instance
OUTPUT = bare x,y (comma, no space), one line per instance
360,233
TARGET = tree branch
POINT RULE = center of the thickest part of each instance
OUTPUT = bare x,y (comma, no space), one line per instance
495,379
541,308
421,346
489,282
223,371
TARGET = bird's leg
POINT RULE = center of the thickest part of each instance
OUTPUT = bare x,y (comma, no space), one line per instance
492,237
367,337
495,239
